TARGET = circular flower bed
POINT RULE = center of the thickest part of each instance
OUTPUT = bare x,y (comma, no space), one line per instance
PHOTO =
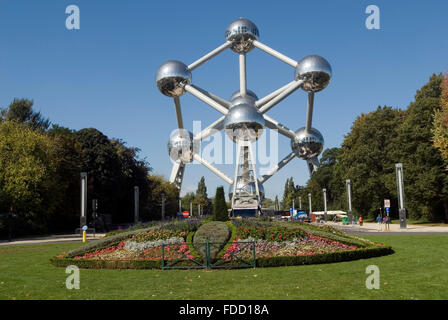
270,243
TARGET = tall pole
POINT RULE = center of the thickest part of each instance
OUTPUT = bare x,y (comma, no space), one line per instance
400,187
180,205
349,199
83,219
300,203
136,204
191,208
293,204
309,201
325,204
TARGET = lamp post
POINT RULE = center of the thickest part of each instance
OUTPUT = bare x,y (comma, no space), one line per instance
400,187
349,199
325,204
83,219
309,202
163,194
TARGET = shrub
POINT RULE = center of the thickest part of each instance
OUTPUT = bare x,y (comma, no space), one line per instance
220,206
217,233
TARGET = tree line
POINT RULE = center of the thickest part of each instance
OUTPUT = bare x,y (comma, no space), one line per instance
40,166
417,137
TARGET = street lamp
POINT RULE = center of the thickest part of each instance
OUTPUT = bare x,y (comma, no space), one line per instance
309,202
325,204
349,199
400,187
83,219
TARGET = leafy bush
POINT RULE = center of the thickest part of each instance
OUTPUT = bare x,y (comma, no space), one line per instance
330,257
217,233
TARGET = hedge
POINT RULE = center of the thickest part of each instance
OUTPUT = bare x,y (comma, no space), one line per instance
216,232
330,257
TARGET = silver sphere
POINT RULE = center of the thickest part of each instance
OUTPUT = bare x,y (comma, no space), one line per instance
244,123
244,189
241,32
315,71
307,145
171,78
236,98
181,146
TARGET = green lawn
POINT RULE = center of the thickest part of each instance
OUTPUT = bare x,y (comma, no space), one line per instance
418,270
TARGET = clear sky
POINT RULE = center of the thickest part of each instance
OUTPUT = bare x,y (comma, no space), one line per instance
102,75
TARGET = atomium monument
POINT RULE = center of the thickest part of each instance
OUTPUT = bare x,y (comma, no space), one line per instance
244,115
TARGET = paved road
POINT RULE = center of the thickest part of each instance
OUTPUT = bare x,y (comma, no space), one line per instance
367,229
372,228
51,239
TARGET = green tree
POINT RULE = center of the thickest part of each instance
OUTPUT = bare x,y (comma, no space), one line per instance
425,180
21,110
153,209
220,212
289,193
202,198
367,159
28,177
440,130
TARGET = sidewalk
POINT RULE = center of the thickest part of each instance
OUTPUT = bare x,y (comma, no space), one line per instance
371,227
50,239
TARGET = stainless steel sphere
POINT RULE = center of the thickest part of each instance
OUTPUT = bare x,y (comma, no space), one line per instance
180,146
236,98
307,145
171,78
315,71
245,189
241,32
244,123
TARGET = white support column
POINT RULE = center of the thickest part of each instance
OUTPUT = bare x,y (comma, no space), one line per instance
274,53
198,94
235,179
210,55
275,169
275,125
259,103
210,130
251,157
309,112
313,165
243,79
212,96
180,123
281,96
212,168
177,174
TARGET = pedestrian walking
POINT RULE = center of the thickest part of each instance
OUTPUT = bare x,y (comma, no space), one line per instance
379,220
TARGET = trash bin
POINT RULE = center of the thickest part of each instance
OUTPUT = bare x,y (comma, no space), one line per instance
345,220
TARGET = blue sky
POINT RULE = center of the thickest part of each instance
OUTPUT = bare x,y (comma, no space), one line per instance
102,75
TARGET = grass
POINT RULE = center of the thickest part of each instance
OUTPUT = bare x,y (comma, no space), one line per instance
416,271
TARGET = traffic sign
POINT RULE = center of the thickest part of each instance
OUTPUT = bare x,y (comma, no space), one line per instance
186,214
386,203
